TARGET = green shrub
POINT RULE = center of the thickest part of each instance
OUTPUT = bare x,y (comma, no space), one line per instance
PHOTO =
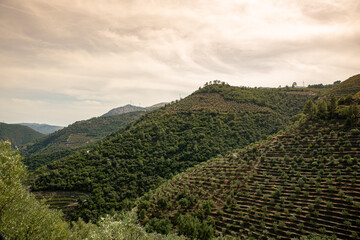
32,220
193,228
162,202
329,204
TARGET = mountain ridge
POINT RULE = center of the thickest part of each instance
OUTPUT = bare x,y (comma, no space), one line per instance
18,134
42,127
77,135
124,109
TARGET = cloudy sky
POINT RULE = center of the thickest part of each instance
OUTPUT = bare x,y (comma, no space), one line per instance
68,60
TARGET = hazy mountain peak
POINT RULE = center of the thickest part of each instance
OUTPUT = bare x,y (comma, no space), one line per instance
131,108
124,109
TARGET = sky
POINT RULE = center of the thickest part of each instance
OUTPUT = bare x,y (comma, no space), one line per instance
67,60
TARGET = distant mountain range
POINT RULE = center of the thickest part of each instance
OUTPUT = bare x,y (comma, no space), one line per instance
42,128
131,108
18,134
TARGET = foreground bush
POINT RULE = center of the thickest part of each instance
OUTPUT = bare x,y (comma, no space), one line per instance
21,215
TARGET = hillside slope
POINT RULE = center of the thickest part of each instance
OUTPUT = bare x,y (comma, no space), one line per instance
17,134
301,182
135,159
22,217
348,87
75,136
42,128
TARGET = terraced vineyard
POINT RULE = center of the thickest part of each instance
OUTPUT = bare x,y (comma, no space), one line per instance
348,87
64,200
303,182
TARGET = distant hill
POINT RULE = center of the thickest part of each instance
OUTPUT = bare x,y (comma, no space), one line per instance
131,108
42,128
156,106
301,182
124,109
348,87
77,135
17,134
128,163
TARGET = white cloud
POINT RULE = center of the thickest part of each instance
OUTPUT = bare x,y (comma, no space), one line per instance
107,53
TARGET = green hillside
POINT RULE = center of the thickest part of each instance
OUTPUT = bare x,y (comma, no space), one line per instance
348,87
128,163
77,135
22,217
303,181
17,134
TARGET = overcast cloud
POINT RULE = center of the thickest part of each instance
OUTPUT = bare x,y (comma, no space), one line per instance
68,60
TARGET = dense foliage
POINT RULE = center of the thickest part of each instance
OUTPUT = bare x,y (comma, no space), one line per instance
333,109
18,134
301,182
167,141
23,217
77,135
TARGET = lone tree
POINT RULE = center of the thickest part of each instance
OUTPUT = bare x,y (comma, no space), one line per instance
294,85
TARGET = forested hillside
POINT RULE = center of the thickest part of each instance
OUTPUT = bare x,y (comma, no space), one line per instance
18,134
128,163
73,137
22,217
303,181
